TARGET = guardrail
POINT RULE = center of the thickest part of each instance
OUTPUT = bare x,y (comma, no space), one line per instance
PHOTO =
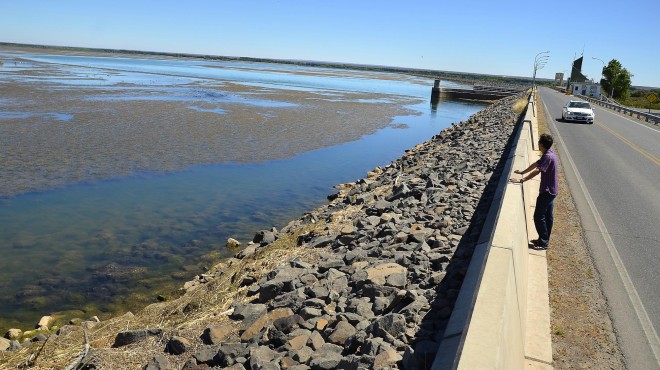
501,319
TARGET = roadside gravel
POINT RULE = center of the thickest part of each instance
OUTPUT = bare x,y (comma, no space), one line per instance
582,332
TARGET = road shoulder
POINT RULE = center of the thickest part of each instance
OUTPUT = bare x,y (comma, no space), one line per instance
582,331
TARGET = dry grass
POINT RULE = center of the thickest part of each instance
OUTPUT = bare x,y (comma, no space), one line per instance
582,334
186,316
519,105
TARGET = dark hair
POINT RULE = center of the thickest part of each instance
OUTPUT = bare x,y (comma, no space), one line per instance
546,140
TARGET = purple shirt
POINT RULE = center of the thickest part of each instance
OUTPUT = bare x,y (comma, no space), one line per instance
548,167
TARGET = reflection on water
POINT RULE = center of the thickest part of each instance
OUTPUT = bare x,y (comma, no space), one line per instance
112,245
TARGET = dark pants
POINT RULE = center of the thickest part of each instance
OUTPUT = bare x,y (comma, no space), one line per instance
543,217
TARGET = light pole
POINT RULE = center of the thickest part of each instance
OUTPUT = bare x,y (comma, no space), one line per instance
601,76
539,62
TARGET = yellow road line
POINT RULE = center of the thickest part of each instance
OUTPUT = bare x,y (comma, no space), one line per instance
641,151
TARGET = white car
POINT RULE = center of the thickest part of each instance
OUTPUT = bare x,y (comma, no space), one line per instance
577,110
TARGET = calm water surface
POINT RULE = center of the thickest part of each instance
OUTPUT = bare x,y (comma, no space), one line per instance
107,246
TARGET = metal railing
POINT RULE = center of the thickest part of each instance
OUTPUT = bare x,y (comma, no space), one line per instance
619,108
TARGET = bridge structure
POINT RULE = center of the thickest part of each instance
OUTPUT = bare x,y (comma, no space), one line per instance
477,92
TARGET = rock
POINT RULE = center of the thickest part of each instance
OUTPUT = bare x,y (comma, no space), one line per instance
13,334
177,345
288,362
192,365
316,340
229,353
342,331
41,337
233,243
256,327
325,360
235,367
207,355
4,344
264,236
386,359
298,342
248,312
128,337
159,362
45,322
14,345
293,300
247,251
289,323
303,354
386,273
216,334
393,324
262,357
321,242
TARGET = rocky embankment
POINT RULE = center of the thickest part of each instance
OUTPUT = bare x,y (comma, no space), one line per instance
367,281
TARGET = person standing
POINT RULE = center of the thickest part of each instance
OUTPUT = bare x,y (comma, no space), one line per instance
543,214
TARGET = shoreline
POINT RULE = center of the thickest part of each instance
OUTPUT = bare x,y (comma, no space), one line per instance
401,237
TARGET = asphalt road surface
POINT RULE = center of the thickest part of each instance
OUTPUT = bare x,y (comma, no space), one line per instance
613,171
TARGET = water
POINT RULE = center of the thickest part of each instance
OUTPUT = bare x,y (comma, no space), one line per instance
107,246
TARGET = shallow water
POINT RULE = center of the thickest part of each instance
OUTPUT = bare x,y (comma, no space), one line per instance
104,246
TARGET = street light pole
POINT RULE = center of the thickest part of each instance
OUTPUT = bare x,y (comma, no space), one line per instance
539,63
601,75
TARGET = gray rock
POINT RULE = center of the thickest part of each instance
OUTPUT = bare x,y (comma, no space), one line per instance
262,358
293,300
159,362
207,355
334,263
264,236
303,355
321,242
178,345
247,251
343,330
310,312
132,336
325,361
235,367
218,334
393,324
229,352
355,362
315,302
316,340
14,345
248,312
289,324
41,337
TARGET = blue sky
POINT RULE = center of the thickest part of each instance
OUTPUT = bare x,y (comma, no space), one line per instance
494,37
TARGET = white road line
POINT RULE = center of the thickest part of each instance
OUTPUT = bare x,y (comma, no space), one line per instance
645,322
607,110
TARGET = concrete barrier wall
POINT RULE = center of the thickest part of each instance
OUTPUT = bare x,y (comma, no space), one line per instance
501,319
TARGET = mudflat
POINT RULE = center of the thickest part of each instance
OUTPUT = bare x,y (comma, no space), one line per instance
63,124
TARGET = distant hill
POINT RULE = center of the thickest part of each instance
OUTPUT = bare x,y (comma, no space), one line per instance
429,73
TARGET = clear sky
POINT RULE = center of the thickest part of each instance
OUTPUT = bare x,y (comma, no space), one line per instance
494,36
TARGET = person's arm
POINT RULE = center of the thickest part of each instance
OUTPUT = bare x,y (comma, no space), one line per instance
535,172
532,166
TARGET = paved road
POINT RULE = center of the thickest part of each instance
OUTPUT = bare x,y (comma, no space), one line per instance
613,171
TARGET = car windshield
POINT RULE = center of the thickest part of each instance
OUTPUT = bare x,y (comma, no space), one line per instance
579,104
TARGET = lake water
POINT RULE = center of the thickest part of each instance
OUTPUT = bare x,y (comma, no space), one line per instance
108,244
